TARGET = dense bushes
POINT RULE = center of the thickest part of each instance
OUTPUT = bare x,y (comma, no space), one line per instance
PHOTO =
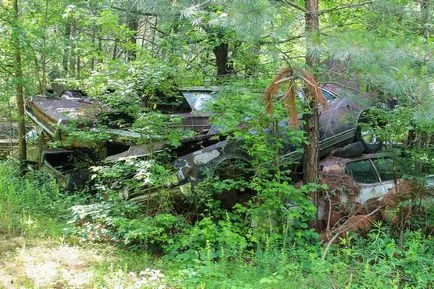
264,245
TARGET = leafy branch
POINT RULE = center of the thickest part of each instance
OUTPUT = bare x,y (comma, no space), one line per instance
294,5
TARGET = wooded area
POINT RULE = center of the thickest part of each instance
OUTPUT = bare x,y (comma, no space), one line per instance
220,139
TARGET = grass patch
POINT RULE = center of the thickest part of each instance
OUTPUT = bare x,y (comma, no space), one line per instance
31,205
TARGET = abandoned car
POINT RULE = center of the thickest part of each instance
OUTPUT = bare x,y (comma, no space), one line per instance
52,115
373,173
340,124
203,154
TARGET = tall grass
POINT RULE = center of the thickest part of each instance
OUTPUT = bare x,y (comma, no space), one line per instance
372,262
32,204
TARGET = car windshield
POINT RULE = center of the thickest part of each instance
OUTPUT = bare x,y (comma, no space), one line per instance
362,172
385,168
197,99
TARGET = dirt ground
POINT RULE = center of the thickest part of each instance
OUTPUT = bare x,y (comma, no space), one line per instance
26,263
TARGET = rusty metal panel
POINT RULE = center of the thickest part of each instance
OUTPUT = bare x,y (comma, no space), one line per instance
59,110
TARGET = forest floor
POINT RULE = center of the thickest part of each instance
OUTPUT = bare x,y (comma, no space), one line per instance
33,263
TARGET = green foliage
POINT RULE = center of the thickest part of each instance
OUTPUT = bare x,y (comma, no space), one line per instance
33,204
358,263
208,240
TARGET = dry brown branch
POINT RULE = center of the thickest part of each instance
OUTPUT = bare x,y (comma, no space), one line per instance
336,182
313,88
358,222
353,223
289,99
272,89
289,102
402,190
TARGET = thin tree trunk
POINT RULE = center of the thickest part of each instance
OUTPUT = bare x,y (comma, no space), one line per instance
67,41
19,86
311,148
154,33
115,50
78,65
100,54
92,60
44,47
72,58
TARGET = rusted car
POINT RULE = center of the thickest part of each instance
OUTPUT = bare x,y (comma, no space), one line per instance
370,185
373,173
341,123
53,114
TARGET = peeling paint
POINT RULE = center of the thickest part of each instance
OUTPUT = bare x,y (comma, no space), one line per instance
205,157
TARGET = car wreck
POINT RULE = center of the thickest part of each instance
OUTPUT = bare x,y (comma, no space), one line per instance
203,155
340,129
53,115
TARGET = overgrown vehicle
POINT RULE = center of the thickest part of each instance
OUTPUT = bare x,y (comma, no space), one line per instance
343,121
111,133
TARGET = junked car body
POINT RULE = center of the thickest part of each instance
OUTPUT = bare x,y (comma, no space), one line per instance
52,115
338,126
203,154
374,174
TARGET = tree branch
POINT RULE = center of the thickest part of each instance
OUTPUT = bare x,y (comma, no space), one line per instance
336,8
4,69
292,4
281,41
153,26
133,11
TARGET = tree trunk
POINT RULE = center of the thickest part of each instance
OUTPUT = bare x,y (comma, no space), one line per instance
221,53
43,54
115,50
100,54
311,148
67,40
72,58
19,86
92,59
78,65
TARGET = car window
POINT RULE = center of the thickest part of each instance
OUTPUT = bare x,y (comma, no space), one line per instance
328,95
197,99
385,168
172,104
362,171
167,103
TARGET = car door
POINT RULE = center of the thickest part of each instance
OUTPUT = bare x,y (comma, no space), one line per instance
366,176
